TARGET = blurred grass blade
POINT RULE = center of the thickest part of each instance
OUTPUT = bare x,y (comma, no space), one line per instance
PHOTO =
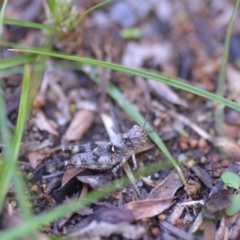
51,5
22,113
222,73
117,95
3,7
23,23
20,189
16,60
137,72
219,111
80,19
8,167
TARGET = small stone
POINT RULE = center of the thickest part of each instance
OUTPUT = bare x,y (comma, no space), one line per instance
225,163
190,164
202,144
163,115
183,146
34,188
155,232
139,183
162,217
182,158
216,174
44,187
157,122
193,143
30,176
156,175
203,160
41,196
39,101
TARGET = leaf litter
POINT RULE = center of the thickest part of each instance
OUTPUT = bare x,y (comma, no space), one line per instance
67,111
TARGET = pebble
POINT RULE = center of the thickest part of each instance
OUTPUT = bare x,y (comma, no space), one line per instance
34,188
123,14
162,217
183,146
155,232
193,143
202,144
203,160
157,122
225,163
139,183
182,158
41,196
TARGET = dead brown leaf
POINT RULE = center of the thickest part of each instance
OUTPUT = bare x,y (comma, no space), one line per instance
209,229
229,228
203,176
167,188
35,158
159,199
148,208
70,173
43,123
79,125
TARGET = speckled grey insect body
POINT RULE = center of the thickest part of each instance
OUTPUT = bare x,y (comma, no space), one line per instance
112,154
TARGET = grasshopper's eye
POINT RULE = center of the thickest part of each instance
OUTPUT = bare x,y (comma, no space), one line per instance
113,148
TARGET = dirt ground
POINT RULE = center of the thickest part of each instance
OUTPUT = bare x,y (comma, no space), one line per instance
181,39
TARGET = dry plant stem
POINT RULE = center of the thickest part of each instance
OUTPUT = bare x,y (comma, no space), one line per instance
132,179
192,125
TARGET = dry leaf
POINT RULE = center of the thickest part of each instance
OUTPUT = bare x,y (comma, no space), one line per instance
35,158
159,199
148,208
79,125
70,173
167,188
203,176
43,123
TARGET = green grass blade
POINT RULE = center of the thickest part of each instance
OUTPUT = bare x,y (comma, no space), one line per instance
16,60
52,5
141,73
35,223
80,19
222,73
219,111
3,7
23,23
8,167
22,113
20,190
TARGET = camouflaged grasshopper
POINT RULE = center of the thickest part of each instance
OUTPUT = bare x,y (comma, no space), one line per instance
112,154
